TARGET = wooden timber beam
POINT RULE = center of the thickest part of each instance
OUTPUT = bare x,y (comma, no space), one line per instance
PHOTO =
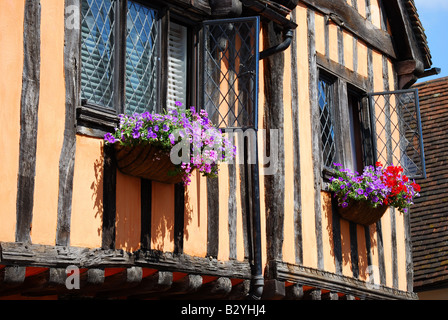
347,17
324,280
157,282
29,107
240,291
186,286
294,292
219,288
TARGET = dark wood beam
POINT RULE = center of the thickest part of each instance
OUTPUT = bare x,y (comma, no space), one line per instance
217,290
274,290
348,18
29,106
294,292
72,38
325,280
240,291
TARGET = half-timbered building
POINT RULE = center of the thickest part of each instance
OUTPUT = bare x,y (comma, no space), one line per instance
299,85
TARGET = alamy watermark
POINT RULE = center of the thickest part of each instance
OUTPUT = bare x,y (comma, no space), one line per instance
73,280
247,142
73,17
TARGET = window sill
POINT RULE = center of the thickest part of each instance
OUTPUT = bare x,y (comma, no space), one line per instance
95,121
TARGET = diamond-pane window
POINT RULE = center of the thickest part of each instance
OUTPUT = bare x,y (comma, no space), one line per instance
141,58
326,110
97,52
120,77
398,136
231,72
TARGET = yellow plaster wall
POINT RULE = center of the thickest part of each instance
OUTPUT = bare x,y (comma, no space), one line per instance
51,123
11,57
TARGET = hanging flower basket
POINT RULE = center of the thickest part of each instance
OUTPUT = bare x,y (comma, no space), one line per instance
143,143
147,162
361,212
364,198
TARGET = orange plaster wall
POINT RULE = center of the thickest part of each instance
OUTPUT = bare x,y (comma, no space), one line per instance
195,228
348,50
87,202
387,246
375,12
362,58
319,23
306,161
399,218
288,241
362,8
327,232
223,182
378,86
240,253
128,221
333,41
11,66
162,229
345,248
51,123
362,252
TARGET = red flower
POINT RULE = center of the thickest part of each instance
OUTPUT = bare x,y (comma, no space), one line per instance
416,186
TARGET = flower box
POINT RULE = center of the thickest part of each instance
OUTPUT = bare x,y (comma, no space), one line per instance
364,198
143,144
147,162
361,212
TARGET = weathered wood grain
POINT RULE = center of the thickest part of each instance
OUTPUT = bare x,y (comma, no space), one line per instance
72,39
29,106
274,184
296,147
315,135
349,19
324,280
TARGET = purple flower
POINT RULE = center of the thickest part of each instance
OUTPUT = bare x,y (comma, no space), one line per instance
360,191
344,205
166,128
151,134
172,139
135,133
110,138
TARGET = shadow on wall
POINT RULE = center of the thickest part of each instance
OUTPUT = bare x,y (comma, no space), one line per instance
342,246
97,190
129,212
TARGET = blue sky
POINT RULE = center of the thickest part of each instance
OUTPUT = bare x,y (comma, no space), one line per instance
434,17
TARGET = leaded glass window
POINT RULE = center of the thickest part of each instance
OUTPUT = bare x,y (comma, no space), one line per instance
108,71
141,58
326,110
231,72
398,138
97,52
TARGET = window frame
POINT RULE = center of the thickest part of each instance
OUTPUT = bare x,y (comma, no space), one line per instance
345,83
96,120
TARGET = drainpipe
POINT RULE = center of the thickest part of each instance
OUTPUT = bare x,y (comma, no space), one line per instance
280,47
257,282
